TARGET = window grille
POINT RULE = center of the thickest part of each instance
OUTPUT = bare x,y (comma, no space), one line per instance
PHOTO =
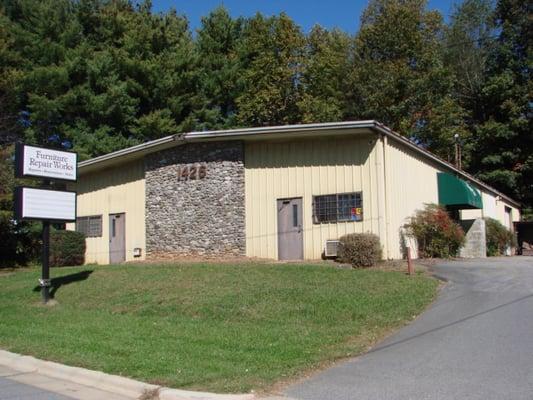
338,208
90,226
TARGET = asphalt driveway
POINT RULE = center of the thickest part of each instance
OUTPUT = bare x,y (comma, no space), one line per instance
475,342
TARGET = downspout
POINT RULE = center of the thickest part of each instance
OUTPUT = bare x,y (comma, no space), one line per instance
386,194
381,194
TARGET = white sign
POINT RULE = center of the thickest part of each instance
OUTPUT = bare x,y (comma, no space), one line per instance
45,163
52,205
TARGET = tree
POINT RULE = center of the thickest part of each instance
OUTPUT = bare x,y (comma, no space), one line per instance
10,129
219,69
503,154
271,55
467,41
102,75
327,63
19,241
399,77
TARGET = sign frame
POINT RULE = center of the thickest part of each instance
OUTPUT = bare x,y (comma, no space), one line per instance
19,163
18,205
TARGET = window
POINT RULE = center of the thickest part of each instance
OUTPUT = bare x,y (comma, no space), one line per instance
90,226
338,208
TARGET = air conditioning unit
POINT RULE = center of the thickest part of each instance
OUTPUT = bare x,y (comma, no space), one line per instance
331,248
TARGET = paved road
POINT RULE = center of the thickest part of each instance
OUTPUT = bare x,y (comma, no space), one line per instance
16,385
13,390
475,342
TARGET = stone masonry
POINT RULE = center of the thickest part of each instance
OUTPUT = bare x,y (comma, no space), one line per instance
195,201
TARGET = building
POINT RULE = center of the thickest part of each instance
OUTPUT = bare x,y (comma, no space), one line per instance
272,192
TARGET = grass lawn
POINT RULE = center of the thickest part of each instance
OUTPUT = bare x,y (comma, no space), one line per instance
223,328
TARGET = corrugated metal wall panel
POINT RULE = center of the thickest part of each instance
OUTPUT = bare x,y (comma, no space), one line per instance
306,168
116,190
411,182
493,207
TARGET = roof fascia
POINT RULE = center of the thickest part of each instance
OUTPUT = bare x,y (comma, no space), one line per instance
276,131
401,139
128,154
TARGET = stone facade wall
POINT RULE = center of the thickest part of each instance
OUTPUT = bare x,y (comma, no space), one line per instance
475,244
195,201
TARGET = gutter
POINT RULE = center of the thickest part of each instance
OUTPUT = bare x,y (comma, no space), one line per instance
396,136
141,148
229,134
129,153
273,131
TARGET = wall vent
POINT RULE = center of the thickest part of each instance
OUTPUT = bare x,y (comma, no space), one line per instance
331,249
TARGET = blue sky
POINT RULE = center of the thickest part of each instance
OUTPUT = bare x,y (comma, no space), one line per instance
328,13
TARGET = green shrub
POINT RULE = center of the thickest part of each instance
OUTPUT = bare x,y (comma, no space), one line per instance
66,248
498,237
359,249
20,242
437,235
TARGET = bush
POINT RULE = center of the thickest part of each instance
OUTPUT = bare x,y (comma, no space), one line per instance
359,249
498,237
437,235
67,248
20,242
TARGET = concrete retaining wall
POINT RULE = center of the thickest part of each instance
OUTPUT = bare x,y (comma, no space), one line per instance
475,244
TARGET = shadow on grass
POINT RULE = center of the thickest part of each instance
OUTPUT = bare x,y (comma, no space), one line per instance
56,283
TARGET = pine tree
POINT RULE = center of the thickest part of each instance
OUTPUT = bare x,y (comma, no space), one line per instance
102,75
10,129
219,69
504,133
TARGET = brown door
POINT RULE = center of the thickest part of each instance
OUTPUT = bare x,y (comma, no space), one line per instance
117,238
290,233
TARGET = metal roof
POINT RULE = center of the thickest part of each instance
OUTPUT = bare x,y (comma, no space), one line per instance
271,132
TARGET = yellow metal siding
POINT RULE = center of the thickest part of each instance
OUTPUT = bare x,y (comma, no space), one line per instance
305,169
117,190
411,182
493,207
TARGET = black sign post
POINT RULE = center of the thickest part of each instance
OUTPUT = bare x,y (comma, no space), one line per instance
45,282
45,204
45,274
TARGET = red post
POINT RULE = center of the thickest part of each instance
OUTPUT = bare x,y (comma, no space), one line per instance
410,267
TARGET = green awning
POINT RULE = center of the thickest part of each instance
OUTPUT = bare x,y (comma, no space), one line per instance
454,193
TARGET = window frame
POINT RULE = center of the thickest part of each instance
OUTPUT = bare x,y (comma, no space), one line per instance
358,199
89,233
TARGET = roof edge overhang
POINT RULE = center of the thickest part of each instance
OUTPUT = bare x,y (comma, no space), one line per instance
128,154
261,133
273,132
450,167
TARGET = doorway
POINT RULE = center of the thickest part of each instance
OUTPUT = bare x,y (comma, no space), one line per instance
117,238
290,232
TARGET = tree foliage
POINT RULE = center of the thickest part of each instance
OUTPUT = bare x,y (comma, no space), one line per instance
271,55
503,151
100,75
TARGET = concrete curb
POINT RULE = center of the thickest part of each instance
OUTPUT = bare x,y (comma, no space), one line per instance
110,383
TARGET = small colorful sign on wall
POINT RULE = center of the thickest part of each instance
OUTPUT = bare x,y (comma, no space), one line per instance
39,162
357,214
